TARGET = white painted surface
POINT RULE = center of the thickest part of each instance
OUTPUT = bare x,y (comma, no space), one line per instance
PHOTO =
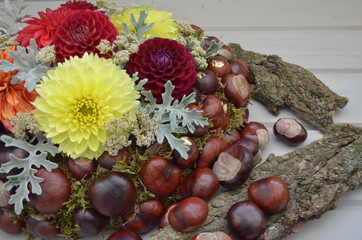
323,36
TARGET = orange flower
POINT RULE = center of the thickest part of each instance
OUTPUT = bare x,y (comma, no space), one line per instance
14,98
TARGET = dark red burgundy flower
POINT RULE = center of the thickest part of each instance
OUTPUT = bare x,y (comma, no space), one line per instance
81,32
79,5
161,60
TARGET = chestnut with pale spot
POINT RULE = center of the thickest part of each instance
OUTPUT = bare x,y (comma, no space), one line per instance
290,131
212,236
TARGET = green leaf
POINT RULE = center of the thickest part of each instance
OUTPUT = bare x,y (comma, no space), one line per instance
30,70
37,158
173,117
213,48
140,85
140,26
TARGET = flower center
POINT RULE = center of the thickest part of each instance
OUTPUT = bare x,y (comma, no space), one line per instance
79,32
86,112
162,58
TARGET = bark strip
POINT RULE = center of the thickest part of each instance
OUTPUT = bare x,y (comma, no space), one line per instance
278,84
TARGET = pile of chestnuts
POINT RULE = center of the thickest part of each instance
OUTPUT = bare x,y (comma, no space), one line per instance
218,156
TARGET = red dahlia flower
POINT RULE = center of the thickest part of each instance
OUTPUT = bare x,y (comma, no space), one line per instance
42,29
161,60
81,32
79,5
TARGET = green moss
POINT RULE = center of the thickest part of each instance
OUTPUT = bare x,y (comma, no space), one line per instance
237,121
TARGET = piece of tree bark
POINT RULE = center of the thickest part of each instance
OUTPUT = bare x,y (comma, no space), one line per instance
316,175
278,84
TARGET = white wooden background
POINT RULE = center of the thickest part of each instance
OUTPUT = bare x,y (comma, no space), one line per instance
324,36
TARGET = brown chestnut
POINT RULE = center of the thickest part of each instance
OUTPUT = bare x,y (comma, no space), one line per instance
226,52
219,65
113,194
211,150
160,176
257,132
246,220
81,167
55,191
193,153
206,81
253,147
9,223
240,67
290,131
231,137
124,235
189,214
164,219
212,236
201,182
217,111
90,221
233,166
107,161
237,90
270,194
199,131
41,227
146,218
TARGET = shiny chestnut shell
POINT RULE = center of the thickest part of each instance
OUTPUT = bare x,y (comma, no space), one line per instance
206,81
124,235
217,111
211,150
237,90
233,166
81,167
201,182
146,218
271,194
290,131
192,154
246,220
164,219
90,221
240,67
107,161
219,65
256,132
55,191
188,215
41,228
10,224
113,194
160,176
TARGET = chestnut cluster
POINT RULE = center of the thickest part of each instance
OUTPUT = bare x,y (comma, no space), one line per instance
246,219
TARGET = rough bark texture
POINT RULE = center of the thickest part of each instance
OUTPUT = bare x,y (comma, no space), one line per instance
278,84
317,175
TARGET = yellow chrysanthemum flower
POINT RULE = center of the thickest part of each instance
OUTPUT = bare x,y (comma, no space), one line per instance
165,26
78,98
